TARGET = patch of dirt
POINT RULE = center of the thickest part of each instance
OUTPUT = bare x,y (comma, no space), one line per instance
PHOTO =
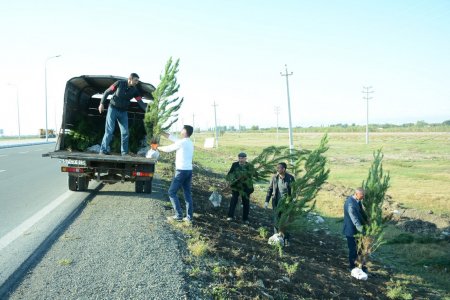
418,226
246,267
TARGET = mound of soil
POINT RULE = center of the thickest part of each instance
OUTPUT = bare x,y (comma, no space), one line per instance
418,226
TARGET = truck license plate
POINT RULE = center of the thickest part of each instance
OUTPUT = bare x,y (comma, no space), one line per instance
73,162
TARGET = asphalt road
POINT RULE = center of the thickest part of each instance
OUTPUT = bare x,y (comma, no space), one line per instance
28,182
34,205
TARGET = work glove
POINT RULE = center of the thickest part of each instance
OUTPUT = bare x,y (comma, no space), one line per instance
266,204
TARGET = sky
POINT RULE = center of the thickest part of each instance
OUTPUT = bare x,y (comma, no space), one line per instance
232,53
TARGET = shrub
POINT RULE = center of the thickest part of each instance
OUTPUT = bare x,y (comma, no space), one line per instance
263,232
398,291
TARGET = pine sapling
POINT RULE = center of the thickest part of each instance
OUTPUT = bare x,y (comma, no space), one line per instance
310,174
375,188
257,169
161,113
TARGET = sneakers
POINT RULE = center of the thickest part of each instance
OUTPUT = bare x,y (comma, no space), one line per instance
187,220
174,218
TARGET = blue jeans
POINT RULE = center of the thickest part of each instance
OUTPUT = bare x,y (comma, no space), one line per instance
182,179
122,118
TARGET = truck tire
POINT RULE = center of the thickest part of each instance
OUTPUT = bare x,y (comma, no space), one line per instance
82,183
78,183
72,183
148,186
139,186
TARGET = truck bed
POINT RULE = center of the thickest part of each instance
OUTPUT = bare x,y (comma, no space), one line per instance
89,156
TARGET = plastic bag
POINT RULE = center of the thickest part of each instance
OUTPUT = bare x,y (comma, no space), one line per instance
215,199
153,154
275,239
94,148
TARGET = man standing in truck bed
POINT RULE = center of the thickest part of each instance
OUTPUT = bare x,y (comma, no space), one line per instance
124,91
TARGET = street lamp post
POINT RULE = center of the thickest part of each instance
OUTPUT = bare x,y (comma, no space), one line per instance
46,123
17,101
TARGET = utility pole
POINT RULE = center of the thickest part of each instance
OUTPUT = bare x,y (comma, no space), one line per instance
193,124
239,123
367,91
215,124
277,112
291,142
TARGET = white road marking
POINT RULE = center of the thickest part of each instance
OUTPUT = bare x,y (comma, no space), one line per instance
2,171
27,224
24,152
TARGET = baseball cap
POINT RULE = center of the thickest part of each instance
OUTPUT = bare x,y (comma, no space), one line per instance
242,154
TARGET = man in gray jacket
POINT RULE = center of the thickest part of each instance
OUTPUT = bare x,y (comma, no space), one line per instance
280,186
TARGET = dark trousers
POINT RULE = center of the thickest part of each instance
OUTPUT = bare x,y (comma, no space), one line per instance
276,217
245,203
352,252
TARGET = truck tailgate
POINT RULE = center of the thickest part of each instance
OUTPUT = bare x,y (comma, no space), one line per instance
64,154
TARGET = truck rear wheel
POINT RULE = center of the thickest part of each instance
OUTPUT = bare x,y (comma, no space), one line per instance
82,183
139,186
148,186
72,183
78,183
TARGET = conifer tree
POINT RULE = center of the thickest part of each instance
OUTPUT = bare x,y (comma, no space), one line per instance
375,188
308,168
258,169
161,113
310,173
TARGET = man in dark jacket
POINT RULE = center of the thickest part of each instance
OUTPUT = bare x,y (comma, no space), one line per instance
240,177
123,91
280,186
353,223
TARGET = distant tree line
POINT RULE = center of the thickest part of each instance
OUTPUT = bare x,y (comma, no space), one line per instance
340,127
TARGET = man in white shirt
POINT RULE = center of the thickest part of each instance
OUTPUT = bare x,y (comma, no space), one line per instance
183,172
